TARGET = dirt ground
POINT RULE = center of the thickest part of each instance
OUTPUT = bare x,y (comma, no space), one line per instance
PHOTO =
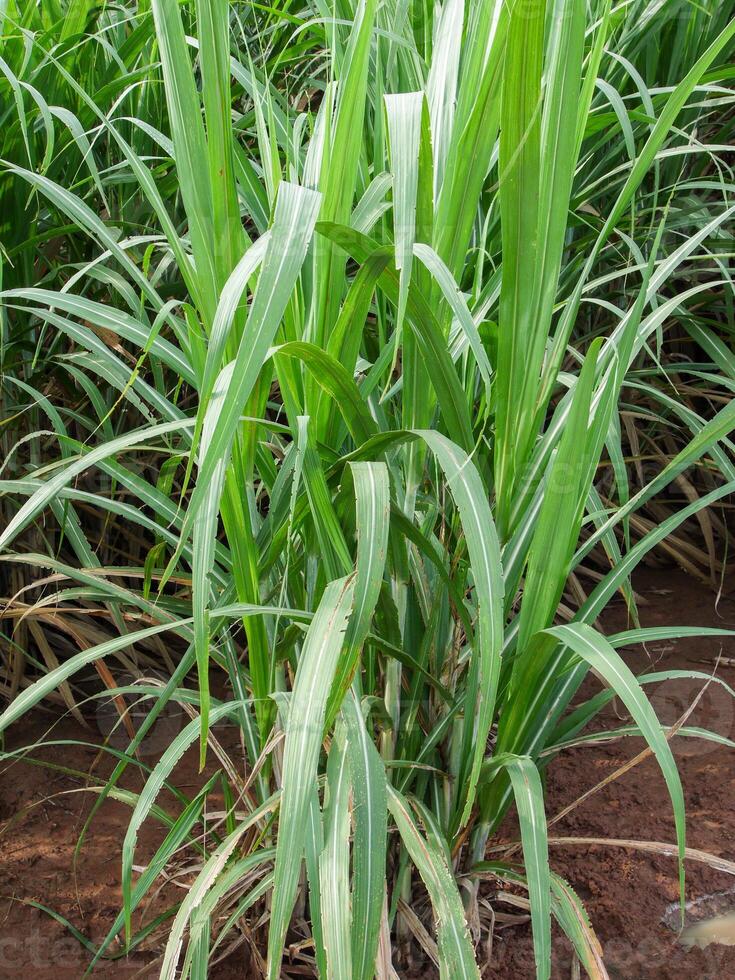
627,893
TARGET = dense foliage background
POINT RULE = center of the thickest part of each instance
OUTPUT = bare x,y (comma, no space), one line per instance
353,356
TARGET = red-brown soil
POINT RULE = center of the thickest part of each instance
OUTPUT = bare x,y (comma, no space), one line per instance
626,892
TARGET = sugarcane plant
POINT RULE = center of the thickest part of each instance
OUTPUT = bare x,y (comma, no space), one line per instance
333,270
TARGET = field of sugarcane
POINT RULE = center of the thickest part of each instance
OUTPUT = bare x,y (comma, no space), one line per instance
353,356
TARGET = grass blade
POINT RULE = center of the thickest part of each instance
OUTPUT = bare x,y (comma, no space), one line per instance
317,665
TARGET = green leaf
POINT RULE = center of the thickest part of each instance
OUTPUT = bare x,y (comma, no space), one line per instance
370,816
593,648
187,128
147,798
334,864
560,518
470,496
304,726
372,497
404,131
456,956
529,797
519,165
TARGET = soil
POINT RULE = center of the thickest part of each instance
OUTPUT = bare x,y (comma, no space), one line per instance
628,894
